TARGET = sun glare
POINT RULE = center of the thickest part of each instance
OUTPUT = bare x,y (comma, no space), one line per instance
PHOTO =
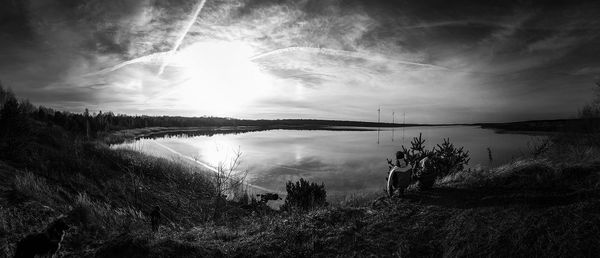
220,151
219,78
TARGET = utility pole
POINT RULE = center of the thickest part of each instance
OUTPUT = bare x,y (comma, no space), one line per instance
393,124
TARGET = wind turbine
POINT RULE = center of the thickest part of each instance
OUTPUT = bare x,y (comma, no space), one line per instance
378,121
403,125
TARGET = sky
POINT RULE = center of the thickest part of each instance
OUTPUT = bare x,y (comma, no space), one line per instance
432,61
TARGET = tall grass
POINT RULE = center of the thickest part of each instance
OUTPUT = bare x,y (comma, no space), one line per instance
119,219
358,199
37,188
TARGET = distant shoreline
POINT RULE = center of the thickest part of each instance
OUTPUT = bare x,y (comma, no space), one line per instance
521,127
152,132
537,126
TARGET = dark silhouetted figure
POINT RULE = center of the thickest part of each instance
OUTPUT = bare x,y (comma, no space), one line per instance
399,177
399,158
43,244
155,218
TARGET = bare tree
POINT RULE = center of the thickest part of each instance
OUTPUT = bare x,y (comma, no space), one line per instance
228,180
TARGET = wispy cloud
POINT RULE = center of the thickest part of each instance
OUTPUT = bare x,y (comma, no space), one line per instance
327,59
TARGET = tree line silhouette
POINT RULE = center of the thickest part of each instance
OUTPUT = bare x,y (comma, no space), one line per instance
17,113
14,115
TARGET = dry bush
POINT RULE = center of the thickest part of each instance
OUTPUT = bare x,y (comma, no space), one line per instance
304,195
228,179
227,183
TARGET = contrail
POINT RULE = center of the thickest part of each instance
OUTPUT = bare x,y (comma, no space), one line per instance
185,32
343,53
310,74
160,56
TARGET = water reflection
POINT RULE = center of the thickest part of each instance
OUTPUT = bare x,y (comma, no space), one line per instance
346,161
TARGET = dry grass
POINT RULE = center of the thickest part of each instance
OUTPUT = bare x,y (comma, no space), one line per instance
359,199
18,221
528,174
106,216
37,188
519,173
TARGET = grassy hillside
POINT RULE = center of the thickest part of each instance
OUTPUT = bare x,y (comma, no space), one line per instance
47,171
547,205
108,192
527,208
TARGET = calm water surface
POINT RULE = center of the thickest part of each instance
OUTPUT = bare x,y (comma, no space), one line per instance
346,161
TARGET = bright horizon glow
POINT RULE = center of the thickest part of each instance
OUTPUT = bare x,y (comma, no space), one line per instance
217,77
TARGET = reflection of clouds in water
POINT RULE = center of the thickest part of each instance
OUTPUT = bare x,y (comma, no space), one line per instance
308,165
363,174
275,174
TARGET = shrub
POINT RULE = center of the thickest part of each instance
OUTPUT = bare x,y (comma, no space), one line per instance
304,195
444,159
416,152
448,159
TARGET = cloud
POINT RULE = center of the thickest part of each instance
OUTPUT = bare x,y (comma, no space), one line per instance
553,43
437,60
587,71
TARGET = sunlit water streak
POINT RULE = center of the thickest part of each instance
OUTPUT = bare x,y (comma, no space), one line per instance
207,166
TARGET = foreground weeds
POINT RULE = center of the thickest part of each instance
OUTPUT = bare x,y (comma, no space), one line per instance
529,174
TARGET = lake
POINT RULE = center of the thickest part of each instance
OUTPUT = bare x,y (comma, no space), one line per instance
345,161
